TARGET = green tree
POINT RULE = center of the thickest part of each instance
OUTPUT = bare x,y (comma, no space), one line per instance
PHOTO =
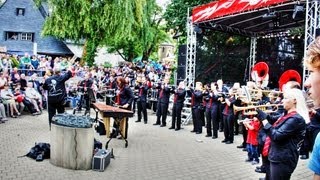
146,39
176,14
94,20
128,27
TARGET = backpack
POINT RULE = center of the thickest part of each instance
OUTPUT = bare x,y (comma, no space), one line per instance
39,152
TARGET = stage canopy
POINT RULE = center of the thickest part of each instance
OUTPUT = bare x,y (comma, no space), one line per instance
250,17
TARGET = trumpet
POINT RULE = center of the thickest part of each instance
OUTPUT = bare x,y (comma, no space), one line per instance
241,121
251,110
266,92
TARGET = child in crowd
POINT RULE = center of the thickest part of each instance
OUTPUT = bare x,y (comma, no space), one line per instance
253,127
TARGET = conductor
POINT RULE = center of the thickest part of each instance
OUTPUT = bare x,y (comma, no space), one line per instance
56,92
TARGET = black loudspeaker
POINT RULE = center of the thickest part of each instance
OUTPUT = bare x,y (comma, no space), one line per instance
183,50
181,72
317,32
182,60
182,55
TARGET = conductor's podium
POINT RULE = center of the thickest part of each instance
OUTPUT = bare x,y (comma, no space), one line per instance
119,115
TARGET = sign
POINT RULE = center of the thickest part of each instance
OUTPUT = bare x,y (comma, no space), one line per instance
3,49
222,8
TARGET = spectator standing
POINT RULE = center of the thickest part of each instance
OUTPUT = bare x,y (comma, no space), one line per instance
312,61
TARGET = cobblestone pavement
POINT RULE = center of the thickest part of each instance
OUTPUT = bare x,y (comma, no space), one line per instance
154,153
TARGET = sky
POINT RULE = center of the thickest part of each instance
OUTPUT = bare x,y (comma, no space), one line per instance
163,3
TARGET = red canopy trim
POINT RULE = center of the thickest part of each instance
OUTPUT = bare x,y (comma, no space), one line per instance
226,7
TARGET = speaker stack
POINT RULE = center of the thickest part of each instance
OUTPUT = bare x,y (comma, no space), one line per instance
182,59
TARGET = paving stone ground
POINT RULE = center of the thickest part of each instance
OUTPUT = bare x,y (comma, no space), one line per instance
153,153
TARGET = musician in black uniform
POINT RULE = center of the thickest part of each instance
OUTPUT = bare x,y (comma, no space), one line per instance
111,85
196,103
142,99
179,97
124,100
85,87
55,85
223,91
228,118
163,103
212,103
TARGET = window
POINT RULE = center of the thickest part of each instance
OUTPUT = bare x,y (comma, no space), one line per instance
12,36
20,11
26,36
15,36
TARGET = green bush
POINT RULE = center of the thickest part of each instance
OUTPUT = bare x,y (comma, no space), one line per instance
107,64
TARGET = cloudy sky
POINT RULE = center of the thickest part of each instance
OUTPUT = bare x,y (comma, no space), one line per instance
163,3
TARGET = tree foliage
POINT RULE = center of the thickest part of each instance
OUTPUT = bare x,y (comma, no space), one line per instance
123,25
177,12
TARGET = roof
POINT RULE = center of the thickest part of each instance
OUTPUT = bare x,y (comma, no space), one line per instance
250,17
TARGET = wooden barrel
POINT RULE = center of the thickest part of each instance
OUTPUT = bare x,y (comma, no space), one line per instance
71,148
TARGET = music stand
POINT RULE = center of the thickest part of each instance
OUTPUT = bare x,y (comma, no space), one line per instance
110,94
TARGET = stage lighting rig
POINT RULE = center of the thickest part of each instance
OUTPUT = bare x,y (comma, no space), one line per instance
270,15
298,12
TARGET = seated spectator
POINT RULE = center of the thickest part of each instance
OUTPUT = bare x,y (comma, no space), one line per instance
14,76
25,62
8,97
3,80
19,97
23,82
3,116
34,96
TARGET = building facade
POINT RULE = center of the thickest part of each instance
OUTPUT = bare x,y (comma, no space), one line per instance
21,23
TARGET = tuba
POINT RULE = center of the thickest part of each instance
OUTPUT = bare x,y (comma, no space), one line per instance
289,75
260,73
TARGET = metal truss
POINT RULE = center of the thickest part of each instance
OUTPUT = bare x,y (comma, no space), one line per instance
312,23
191,53
229,29
252,57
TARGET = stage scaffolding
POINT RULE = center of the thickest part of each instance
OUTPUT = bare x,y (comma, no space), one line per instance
312,23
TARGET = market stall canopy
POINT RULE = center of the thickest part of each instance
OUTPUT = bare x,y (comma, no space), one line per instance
250,17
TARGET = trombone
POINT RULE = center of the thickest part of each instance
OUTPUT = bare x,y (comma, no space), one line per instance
251,110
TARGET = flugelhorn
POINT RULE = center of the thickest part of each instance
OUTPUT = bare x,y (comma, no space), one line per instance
252,110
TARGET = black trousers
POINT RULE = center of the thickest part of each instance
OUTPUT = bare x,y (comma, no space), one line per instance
212,121
236,125
196,118
142,109
53,108
215,120
244,135
162,111
228,127
280,171
134,105
176,115
154,106
220,115
208,121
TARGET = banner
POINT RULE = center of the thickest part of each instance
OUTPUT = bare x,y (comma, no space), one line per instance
221,8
